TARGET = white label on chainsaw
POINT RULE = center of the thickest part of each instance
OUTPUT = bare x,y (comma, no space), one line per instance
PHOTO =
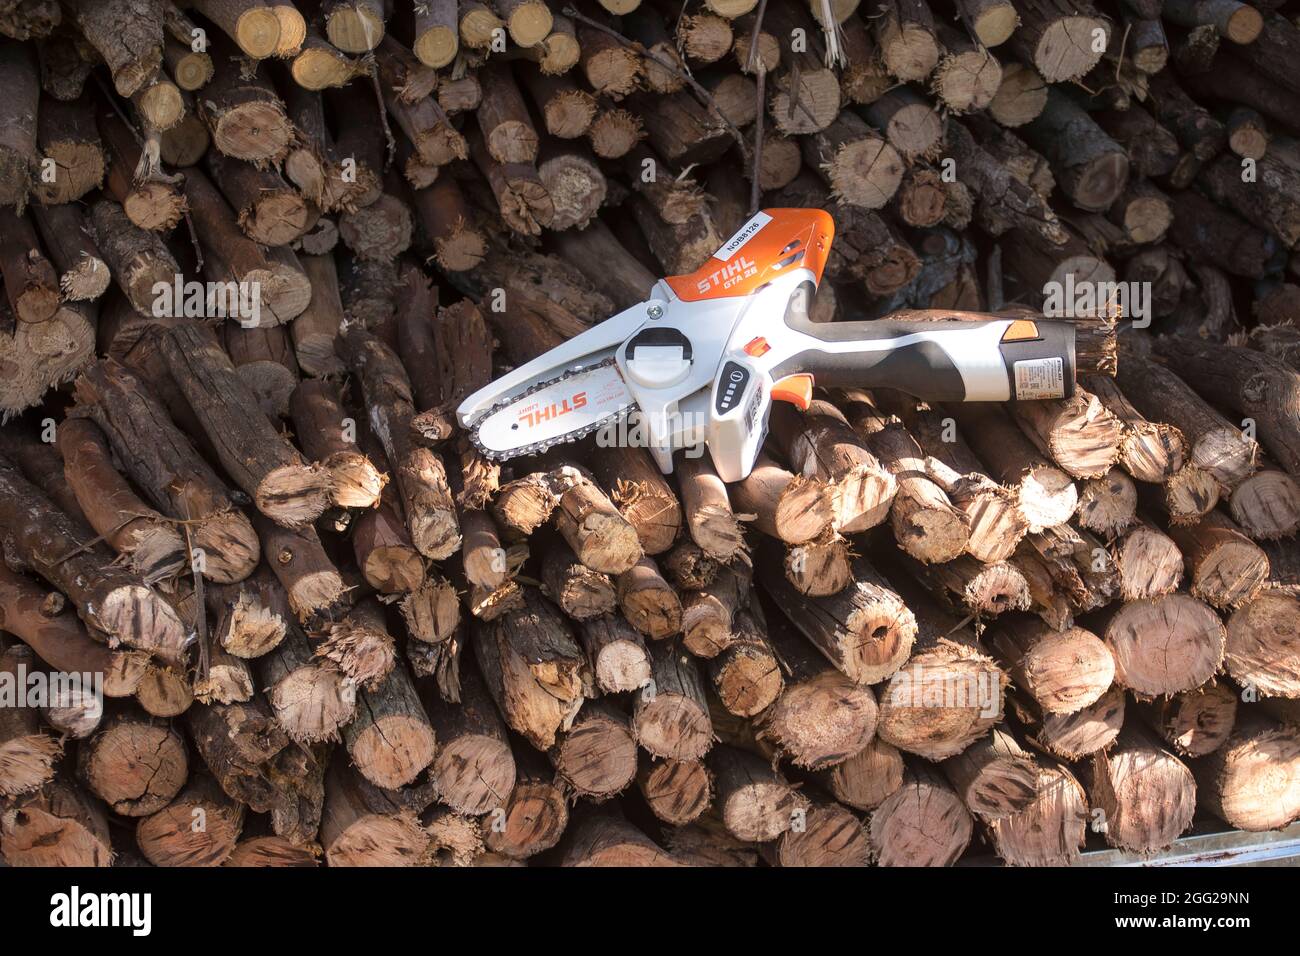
1040,378
745,233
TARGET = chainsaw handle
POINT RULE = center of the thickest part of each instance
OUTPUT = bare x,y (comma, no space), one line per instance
940,360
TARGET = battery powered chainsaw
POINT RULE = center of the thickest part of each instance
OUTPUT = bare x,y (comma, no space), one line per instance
702,359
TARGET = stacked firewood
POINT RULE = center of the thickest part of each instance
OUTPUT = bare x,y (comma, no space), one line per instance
255,253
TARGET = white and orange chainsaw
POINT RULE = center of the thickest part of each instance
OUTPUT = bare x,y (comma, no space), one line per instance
702,359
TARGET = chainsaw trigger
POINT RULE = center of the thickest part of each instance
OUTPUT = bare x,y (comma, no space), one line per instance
795,389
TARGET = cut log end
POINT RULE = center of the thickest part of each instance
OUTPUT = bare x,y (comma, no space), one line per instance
135,767
1190,493
1266,505
392,749
821,721
312,703
671,725
598,757
27,763
1165,645
866,172
1065,50
380,840
1152,451
1048,497
437,46
678,791
1107,505
830,836
1086,731
475,773
1050,830
534,820
1263,645
923,823
59,826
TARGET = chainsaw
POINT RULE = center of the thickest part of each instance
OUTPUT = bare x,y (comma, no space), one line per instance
700,361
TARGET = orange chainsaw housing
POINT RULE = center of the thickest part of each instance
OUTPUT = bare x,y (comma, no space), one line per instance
793,238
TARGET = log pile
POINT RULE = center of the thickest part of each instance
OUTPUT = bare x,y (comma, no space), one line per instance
255,254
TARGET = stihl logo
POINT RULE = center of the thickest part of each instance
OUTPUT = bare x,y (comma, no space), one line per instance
728,274
535,417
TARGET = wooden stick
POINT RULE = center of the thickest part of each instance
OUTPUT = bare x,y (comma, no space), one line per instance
18,139
866,630
83,273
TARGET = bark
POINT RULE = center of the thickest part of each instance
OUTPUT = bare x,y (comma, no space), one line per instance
18,139
283,486
1260,387
160,460
420,473
31,284
65,232
1004,202
128,34
458,246
111,599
